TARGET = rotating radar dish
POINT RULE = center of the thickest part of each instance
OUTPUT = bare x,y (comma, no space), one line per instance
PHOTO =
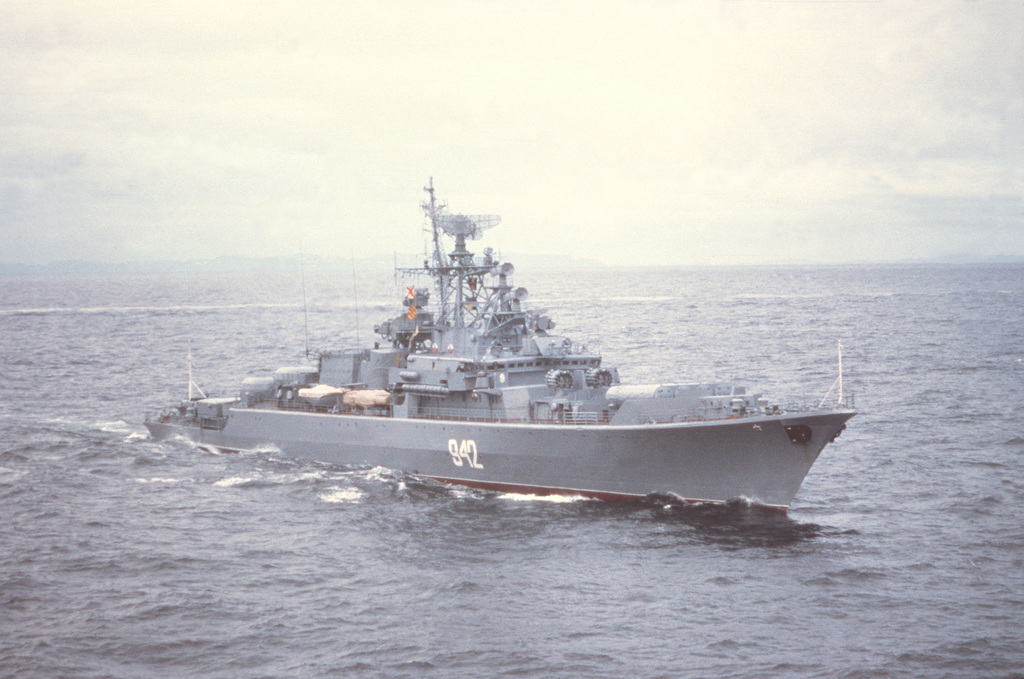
470,226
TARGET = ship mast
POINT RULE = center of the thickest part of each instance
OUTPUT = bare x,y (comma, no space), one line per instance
466,305
438,270
456,274
432,210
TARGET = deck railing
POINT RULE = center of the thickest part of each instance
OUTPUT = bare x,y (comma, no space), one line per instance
567,418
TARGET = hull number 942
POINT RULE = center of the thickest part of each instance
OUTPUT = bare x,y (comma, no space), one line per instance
464,452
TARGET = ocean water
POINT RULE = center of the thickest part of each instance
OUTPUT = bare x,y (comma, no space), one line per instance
902,555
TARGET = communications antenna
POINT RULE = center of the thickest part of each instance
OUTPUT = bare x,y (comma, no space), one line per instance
192,386
305,314
355,299
838,382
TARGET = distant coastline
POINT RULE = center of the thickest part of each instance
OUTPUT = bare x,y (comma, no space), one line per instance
386,262
229,264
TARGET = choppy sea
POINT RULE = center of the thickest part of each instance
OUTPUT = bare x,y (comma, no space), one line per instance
902,555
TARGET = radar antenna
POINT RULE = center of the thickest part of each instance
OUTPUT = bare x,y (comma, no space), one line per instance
471,227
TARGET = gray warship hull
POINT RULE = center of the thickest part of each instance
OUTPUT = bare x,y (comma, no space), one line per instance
479,390
751,458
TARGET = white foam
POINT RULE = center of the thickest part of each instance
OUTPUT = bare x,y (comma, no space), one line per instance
271,478
157,479
109,426
463,493
234,481
339,494
116,427
378,473
8,475
525,497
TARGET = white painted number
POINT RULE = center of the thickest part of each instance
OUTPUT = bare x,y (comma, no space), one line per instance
464,450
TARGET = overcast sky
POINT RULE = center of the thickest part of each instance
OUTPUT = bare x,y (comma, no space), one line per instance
628,132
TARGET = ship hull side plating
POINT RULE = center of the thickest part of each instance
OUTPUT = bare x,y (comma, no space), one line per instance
749,458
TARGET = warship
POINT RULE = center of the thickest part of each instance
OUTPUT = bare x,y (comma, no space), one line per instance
468,386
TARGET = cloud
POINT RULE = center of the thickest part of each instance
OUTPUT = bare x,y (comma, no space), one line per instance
626,132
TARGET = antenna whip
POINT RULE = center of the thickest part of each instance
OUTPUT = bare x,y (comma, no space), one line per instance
305,313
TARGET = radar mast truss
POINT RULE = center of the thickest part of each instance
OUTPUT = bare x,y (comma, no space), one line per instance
474,294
